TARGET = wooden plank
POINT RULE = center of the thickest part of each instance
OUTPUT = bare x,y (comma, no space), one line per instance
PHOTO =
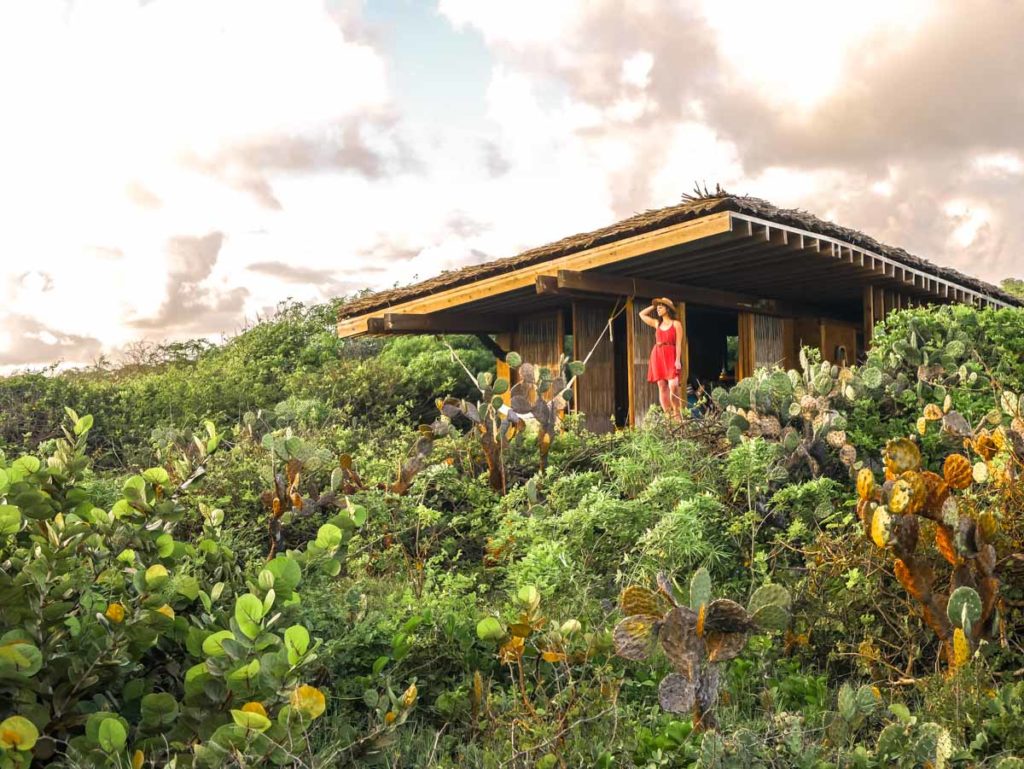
594,394
631,319
745,357
615,285
590,258
458,323
869,314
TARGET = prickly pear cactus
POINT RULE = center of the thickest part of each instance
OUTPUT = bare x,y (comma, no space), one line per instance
797,409
696,638
964,526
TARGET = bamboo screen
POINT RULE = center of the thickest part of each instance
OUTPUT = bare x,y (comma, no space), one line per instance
539,340
595,390
769,349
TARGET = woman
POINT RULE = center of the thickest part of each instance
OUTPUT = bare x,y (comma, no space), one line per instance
667,355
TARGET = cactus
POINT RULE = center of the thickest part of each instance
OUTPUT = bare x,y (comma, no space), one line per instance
695,638
539,393
890,514
796,409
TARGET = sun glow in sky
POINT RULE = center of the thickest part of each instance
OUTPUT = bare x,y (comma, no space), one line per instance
171,168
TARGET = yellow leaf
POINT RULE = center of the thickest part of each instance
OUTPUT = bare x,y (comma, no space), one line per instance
138,759
961,649
553,656
255,707
309,701
115,613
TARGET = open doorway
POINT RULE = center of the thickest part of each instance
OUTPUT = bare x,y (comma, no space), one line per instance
713,339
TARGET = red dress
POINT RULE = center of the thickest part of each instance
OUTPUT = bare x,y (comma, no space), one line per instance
662,365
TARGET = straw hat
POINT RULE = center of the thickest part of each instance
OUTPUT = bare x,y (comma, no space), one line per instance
667,302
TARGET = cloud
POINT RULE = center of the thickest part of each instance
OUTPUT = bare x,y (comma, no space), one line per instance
25,341
324,280
343,147
191,307
920,101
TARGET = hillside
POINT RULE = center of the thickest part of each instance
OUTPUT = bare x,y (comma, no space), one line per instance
295,550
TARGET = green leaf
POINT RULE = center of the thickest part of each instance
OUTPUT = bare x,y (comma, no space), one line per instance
156,475
245,674
10,520
213,643
901,711
700,588
529,597
112,735
27,465
328,537
5,481
18,733
164,545
159,709
20,656
134,488
296,641
83,425
287,573
248,613
847,703
358,515
188,587
156,576
257,722
489,629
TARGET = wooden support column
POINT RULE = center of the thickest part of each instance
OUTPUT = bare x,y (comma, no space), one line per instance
746,356
869,314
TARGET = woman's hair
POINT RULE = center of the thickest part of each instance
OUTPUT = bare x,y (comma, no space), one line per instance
669,307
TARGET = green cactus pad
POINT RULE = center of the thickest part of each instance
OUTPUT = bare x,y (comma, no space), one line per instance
769,607
514,360
964,607
700,588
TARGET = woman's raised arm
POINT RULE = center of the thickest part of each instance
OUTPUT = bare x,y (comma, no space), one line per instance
645,316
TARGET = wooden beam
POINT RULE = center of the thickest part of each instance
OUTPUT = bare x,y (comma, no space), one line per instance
449,323
869,315
657,240
616,285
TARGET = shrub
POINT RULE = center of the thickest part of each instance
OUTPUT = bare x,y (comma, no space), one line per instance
123,643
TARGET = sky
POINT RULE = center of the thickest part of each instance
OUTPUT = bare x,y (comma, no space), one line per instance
173,169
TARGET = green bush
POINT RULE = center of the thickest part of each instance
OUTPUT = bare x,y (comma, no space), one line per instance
119,640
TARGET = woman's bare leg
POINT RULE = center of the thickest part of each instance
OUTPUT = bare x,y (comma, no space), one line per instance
675,399
665,397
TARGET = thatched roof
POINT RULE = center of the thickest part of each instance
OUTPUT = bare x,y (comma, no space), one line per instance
690,208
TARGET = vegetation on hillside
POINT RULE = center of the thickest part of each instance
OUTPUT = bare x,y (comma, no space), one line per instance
295,550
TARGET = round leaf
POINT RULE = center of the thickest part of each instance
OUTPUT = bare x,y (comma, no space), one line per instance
248,613
18,733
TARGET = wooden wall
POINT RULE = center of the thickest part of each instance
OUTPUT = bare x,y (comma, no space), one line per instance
539,339
595,390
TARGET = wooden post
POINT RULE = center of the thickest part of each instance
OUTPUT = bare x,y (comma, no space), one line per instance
745,357
630,385
869,314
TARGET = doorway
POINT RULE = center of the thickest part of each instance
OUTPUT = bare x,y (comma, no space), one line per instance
714,339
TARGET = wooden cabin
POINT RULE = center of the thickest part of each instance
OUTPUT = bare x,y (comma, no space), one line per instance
753,284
